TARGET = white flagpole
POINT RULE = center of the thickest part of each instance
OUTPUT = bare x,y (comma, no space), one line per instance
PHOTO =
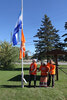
22,48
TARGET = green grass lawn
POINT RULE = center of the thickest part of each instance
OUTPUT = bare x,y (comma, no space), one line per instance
10,86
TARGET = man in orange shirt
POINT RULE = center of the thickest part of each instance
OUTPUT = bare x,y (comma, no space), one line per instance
52,67
33,72
44,72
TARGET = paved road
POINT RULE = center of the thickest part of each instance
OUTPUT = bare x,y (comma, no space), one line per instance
62,63
59,63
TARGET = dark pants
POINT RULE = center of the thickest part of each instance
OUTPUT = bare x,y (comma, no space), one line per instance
49,80
32,77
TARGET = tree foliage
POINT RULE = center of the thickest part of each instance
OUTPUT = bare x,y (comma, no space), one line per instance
65,35
48,39
8,54
26,55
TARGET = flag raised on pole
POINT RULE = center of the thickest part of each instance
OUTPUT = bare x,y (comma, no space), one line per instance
22,45
18,26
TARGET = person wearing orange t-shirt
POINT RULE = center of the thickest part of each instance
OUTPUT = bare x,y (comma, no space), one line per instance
44,72
52,67
33,72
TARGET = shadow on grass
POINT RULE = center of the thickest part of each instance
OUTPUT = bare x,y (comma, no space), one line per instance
10,86
18,78
19,69
32,86
13,69
16,86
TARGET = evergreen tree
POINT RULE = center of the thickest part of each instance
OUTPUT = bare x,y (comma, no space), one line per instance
65,40
48,39
65,35
65,25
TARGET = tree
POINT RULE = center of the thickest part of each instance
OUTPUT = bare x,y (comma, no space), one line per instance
8,54
65,40
48,39
26,55
65,25
65,35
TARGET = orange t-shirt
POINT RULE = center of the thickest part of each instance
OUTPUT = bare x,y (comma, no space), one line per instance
44,69
33,68
51,68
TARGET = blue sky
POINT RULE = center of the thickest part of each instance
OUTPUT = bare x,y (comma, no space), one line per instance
33,12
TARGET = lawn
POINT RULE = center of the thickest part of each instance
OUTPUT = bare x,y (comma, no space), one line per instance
10,86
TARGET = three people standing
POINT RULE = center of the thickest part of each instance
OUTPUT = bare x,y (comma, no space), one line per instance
47,71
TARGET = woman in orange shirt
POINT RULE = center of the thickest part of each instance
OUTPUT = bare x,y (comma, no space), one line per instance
44,72
52,67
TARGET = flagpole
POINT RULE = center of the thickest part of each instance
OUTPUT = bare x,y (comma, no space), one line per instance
22,48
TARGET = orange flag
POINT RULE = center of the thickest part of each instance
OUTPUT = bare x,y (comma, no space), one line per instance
22,45
22,37
20,56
